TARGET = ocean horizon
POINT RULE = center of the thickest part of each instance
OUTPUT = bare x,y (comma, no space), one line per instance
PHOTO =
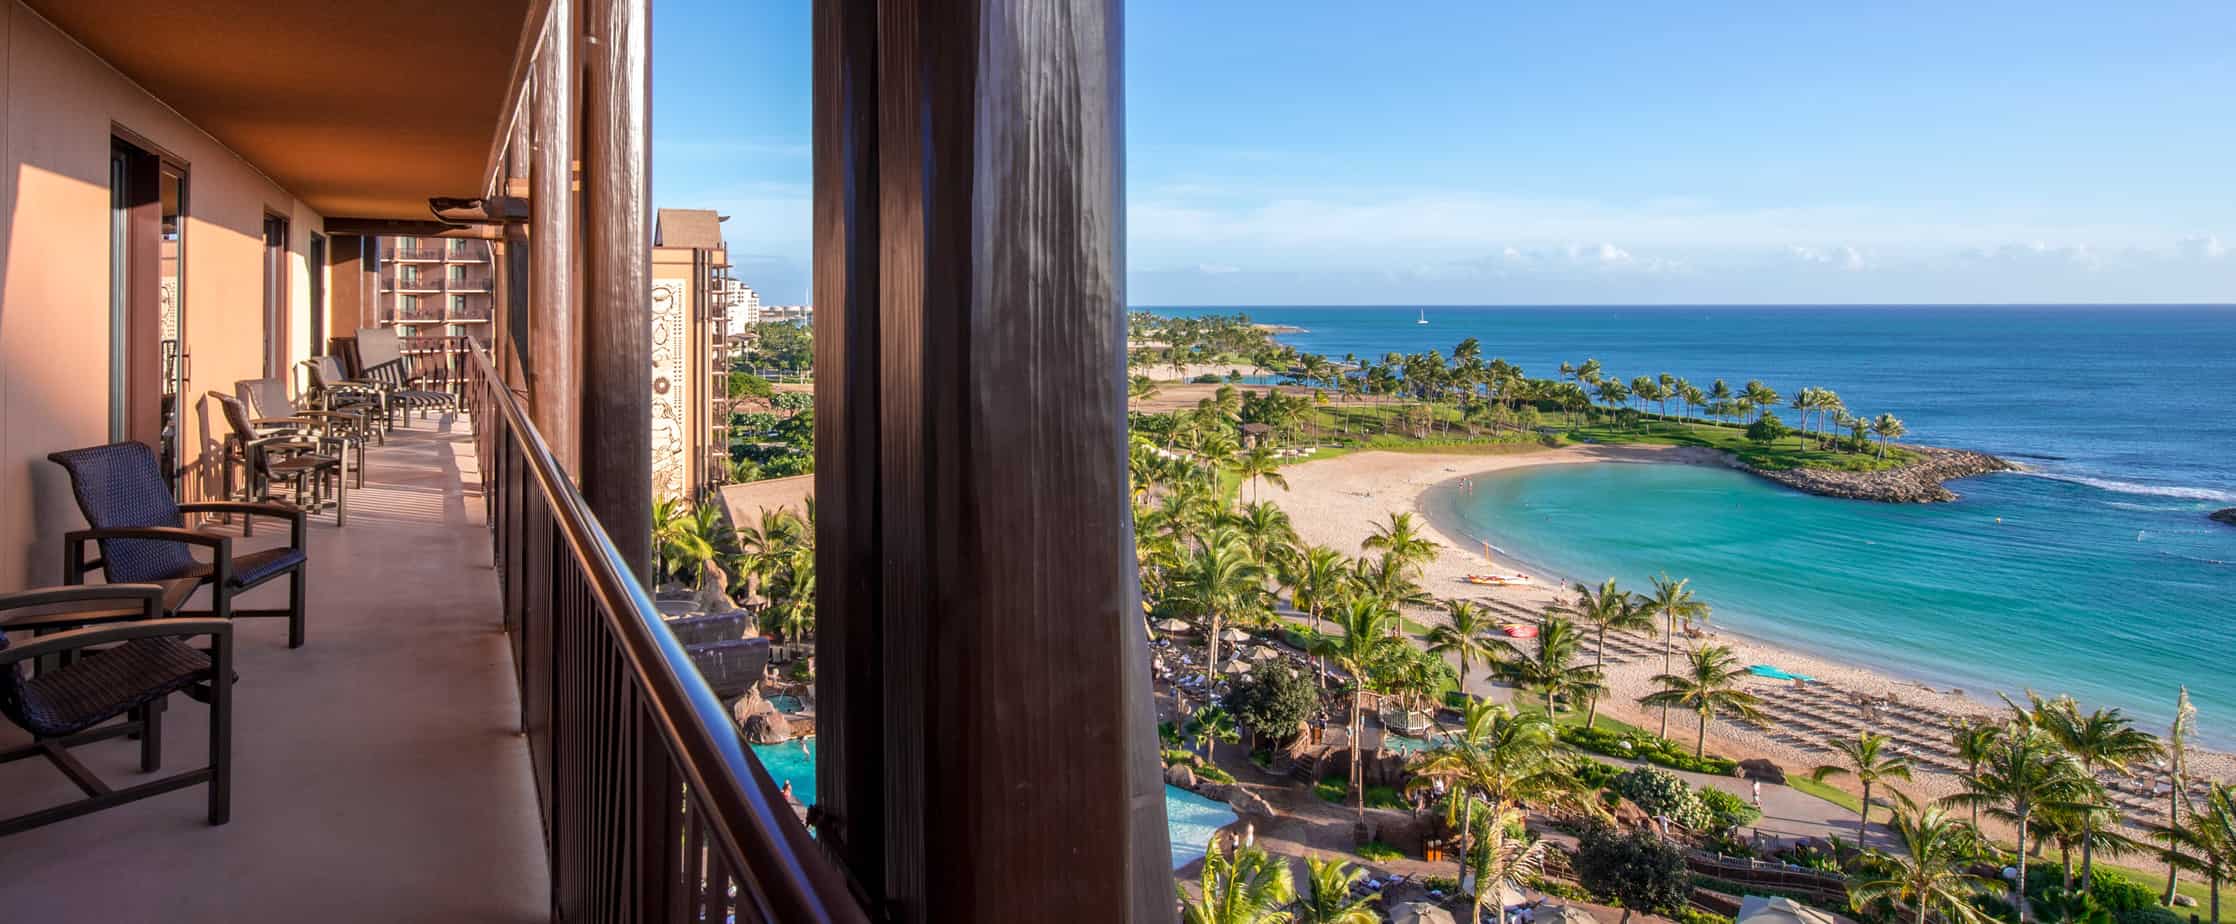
2094,572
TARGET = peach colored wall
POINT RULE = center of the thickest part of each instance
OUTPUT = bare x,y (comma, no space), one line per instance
62,105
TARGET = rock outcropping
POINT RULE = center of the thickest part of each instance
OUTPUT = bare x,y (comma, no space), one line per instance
2227,515
1917,483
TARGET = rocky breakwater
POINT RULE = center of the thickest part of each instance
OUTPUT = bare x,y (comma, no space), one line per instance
1920,482
2226,515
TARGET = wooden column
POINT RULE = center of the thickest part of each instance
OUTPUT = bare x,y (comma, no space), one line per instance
616,453
979,629
511,268
554,351
351,285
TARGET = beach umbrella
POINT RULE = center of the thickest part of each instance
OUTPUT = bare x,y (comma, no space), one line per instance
1264,653
1170,625
1234,635
1236,666
1420,913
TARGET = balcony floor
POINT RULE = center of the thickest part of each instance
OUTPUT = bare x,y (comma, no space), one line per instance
379,770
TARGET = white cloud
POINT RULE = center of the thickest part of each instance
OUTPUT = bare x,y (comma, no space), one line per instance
1843,256
2208,247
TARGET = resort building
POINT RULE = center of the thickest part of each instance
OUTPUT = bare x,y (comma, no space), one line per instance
691,289
487,718
742,304
436,287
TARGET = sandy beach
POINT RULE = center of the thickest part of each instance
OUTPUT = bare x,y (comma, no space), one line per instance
1335,502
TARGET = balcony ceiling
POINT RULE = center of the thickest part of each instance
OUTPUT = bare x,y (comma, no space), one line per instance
363,110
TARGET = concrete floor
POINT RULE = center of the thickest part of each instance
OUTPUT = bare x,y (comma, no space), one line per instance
379,770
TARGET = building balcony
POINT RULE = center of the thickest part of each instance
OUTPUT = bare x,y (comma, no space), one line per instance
379,771
434,254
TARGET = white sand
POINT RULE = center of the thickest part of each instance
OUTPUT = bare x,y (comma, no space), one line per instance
1335,502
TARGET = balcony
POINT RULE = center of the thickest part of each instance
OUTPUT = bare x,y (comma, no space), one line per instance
434,254
380,769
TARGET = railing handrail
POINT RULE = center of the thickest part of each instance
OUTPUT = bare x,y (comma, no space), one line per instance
791,875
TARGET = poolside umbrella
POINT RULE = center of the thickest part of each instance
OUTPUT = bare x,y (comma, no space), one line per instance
1234,635
1563,914
1236,666
1420,913
1263,653
1169,624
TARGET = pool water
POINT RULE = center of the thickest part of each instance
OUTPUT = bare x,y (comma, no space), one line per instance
1190,818
787,703
1405,745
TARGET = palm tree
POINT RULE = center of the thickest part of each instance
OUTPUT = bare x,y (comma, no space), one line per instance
1928,872
1672,599
1242,886
1505,758
1761,397
1260,463
1550,667
1886,427
1504,860
2088,826
1366,624
1401,540
687,536
1219,579
2102,740
1389,579
2025,772
1465,635
1973,741
2205,842
1608,607
1265,528
1321,576
2176,767
1331,901
1211,725
1708,685
1865,761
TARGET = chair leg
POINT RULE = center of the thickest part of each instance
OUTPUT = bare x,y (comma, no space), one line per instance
221,730
221,599
151,735
296,581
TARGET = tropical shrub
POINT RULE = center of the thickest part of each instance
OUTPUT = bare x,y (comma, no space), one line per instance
1661,793
1207,378
1206,770
2117,893
1638,869
1649,748
1596,775
1380,852
748,385
1687,914
1273,703
2155,914
1727,810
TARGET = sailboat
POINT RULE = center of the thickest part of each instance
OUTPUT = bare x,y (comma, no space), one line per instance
1424,317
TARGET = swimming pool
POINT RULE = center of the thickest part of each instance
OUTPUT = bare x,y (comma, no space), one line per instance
787,703
1189,818
1405,745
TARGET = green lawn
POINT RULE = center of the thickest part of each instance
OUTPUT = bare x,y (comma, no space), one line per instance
1732,438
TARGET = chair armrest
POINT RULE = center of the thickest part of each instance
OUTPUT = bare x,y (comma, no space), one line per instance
80,596
153,533
296,519
299,420
219,630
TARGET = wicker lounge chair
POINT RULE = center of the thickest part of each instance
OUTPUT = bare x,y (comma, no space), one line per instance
381,352
144,661
272,411
308,463
143,537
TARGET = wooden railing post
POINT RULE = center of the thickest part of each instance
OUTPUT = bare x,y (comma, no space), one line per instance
554,351
616,453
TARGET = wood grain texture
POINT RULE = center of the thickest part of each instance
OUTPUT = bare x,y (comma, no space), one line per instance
553,389
1019,777
616,434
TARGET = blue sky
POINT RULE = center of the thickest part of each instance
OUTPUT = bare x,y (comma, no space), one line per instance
1309,152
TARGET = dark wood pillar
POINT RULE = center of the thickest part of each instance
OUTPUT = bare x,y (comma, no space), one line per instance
554,391
616,453
511,267
992,755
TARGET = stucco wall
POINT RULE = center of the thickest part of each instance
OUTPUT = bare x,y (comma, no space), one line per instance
62,105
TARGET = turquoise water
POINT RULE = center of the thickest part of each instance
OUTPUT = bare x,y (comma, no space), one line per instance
786,703
2114,598
1190,818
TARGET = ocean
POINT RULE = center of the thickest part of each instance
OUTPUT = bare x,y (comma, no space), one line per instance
2094,573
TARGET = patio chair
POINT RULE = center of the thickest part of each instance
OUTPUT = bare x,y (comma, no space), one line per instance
381,353
145,660
272,411
280,456
334,390
143,537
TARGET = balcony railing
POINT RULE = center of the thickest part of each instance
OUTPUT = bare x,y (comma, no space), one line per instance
416,253
652,806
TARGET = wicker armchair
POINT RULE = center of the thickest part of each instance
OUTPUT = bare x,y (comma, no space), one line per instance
275,455
381,353
143,537
144,659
